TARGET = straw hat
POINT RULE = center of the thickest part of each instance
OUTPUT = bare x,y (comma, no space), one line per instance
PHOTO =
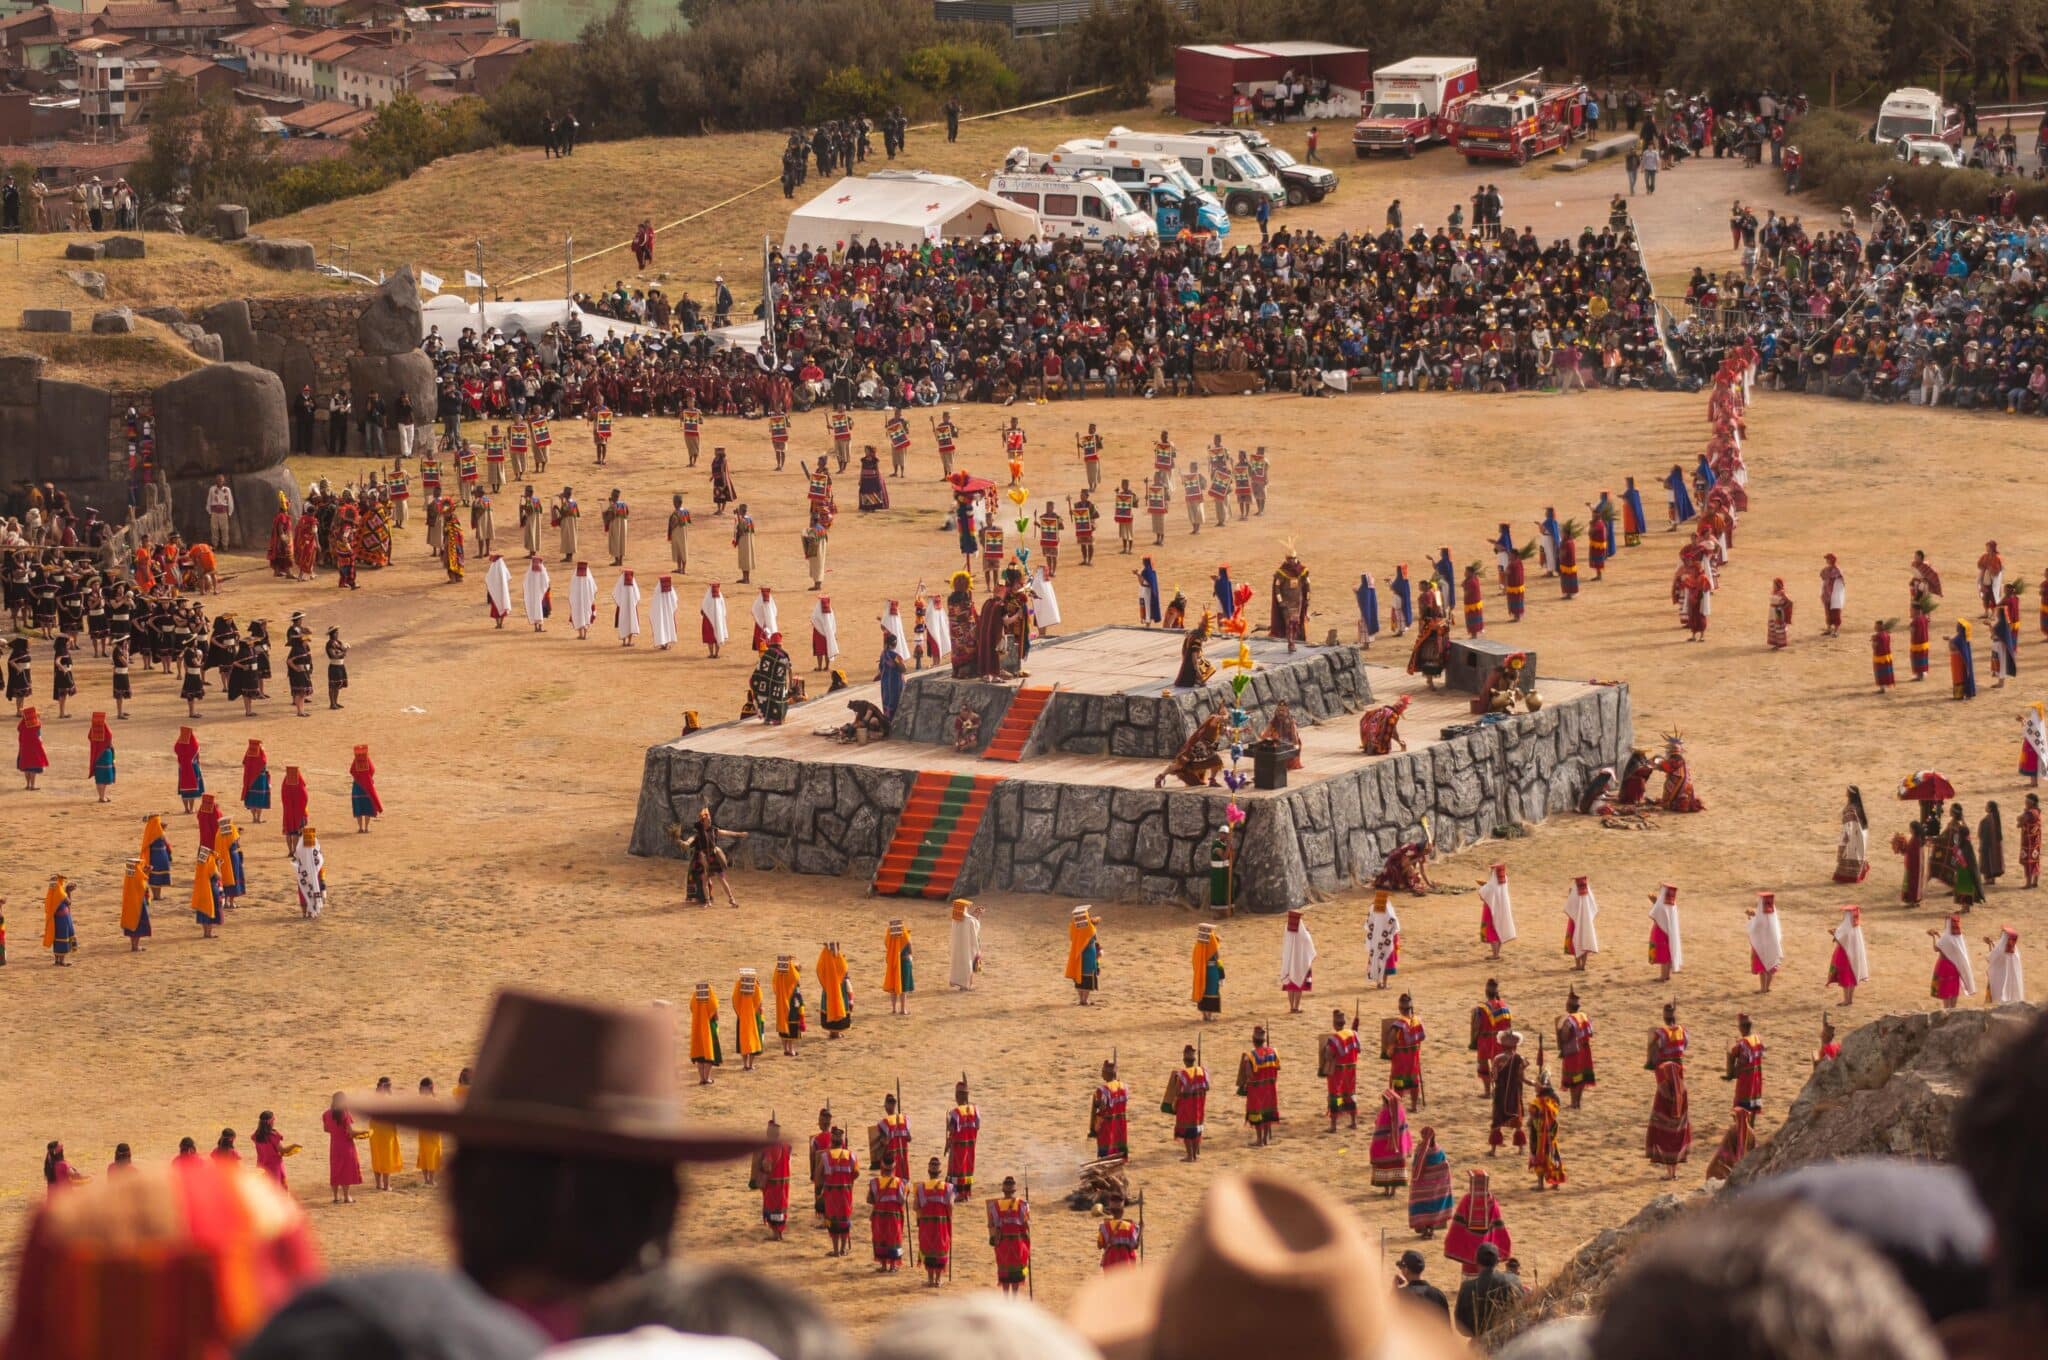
574,1077
1266,1268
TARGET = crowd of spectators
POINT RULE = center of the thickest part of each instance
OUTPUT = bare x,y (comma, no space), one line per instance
1947,311
991,320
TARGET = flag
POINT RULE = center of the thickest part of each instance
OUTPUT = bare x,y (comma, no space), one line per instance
472,279
430,282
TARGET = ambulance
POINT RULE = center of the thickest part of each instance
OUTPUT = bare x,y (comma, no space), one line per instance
1224,166
1088,206
1133,171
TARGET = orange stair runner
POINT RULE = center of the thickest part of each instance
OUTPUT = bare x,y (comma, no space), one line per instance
1014,732
934,834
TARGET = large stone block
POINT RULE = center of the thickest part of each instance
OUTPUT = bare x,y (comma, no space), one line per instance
85,250
230,221
391,374
256,500
391,324
222,418
290,358
89,281
113,321
230,321
123,247
19,374
46,319
71,431
283,253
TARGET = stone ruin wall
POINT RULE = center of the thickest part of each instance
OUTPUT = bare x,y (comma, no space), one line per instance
1153,845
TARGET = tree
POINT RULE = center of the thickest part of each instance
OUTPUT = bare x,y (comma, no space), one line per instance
1128,46
212,148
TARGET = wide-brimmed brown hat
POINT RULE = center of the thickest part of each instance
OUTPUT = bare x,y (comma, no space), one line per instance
559,1075
1266,1267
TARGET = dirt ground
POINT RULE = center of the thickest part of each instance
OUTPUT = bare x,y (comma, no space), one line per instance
509,764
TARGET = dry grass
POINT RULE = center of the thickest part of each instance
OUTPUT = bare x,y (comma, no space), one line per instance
179,271
435,218
150,356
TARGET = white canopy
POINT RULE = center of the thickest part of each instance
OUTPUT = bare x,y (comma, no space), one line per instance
903,208
451,313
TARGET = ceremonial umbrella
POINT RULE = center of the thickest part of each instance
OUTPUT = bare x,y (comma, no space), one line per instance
1926,786
968,485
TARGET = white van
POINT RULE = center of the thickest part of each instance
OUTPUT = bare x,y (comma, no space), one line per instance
1916,112
1132,168
1088,206
1224,166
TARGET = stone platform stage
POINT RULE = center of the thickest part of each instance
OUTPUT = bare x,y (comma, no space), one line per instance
1078,815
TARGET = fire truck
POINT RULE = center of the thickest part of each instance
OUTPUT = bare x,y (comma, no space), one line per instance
1519,119
1415,102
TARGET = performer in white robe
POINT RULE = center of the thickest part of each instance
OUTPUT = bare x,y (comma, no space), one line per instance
1766,940
1849,965
824,634
309,864
939,628
1496,910
626,608
892,624
582,600
966,940
711,618
498,589
1667,946
2004,981
1581,931
661,618
1045,601
1953,947
538,605
1297,961
767,619
1382,941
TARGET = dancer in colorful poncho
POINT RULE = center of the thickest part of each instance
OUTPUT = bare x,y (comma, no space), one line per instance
1392,1147
1429,1186
1476,1220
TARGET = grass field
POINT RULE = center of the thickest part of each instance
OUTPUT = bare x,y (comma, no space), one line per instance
178,271
521,205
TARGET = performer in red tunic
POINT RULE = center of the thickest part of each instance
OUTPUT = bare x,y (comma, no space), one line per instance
934,1203
771,1177
1009,1232
1669,1140
1337,1065
963,1130
1881,656
1109,1115
886,1202
1258,1081
1746,1067
1187,1100
1490,1020
1474,592
1117,1238
1402,1038
1575,1048
841,1169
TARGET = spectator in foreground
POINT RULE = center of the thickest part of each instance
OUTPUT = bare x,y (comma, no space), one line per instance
1488,1298
409,1313
1266,1267
1410,1285
184,1260
720,1300
978,1327
2001,1126
564,1175
1760,1281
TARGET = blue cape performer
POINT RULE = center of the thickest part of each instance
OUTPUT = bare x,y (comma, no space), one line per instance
1404,595
1632,522
1148,593
1447,573
1674,483
1961,663
890,673
1226,596
1369,605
